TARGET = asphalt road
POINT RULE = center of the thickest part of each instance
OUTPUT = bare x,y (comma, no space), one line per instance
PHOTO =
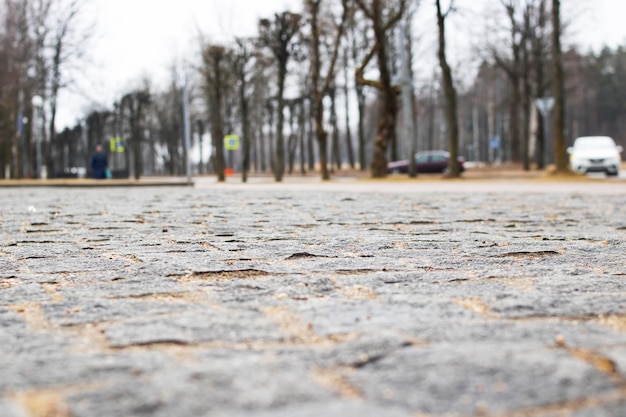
423,299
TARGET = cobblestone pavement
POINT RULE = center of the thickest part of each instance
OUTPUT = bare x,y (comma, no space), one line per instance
254,302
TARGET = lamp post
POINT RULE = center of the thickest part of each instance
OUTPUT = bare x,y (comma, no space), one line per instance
37,103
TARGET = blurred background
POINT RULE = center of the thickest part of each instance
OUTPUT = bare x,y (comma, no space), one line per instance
303,87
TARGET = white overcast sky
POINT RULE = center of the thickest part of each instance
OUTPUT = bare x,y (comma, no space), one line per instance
133,38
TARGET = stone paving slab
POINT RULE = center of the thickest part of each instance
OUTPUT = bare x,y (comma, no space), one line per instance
346,300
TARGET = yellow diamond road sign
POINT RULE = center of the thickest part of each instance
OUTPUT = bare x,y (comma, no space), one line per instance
231,142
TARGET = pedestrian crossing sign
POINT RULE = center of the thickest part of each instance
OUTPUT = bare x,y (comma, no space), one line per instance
231,142
116,145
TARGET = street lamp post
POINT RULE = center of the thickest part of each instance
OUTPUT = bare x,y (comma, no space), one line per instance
37,103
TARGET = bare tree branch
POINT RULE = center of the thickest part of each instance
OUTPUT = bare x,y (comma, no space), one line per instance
368,13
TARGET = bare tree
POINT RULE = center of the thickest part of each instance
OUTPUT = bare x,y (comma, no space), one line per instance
243,59
59,45
450,94
321,83
512,67
346,96
376,11
279,36
335,149
43,41
526,87
260,87
67,45
216,72
169,119
133,108
358,42
538,53
15,54
522,59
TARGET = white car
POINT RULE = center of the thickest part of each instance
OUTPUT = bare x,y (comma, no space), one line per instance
595,154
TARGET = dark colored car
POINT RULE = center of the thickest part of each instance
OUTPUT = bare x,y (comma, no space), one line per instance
427,162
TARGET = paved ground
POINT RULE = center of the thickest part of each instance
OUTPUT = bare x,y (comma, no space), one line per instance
349,299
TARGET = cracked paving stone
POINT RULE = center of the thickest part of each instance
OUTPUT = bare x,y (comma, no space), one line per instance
194,327
461,377
254,302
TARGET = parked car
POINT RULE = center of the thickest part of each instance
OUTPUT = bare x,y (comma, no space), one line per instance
595,154
427,162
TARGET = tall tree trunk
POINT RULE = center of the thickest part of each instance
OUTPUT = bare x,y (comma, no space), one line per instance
322,139
246,136
214,57
387,120
318,95
259,164
270,137
450,94
320,84
292,141
279,163
310,138
218,128
538,69
245,121
514,111
513,72
526,102
278,36
475,128
360,99
137,140
301,135
346,95
336,154
360,129
387,123
558,91
430,133
200,124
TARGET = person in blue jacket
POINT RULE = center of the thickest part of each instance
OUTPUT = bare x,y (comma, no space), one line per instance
99,163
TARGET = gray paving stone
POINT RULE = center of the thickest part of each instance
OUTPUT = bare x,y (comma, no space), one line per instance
328,409
611,409
75,311
244,382
22,291
10,409
464,378
280,302
199,326
37,367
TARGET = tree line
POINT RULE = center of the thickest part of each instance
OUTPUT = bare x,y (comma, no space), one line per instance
315,90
